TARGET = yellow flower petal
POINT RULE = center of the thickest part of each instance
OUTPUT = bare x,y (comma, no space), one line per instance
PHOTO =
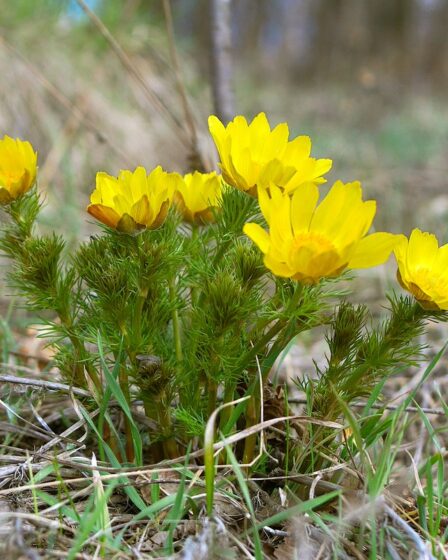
133,200
440,265
196,194
308,242
341,197
219,134
374,249
303,205
422,269
354,224
141,211
18,168
258,236
277,267
253,155
323,166
297,150
280,220
422,249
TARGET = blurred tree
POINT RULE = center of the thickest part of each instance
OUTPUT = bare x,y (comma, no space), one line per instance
221,58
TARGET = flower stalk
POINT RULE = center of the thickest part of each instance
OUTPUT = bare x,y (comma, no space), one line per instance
175,320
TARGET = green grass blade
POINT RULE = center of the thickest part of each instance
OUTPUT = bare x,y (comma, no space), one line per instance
246,495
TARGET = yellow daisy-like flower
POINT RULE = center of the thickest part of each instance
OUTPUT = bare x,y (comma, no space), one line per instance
18,168
134,200
197,194
423,269
307,241
253,155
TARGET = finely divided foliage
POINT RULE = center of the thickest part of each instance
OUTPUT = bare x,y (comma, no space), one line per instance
170,311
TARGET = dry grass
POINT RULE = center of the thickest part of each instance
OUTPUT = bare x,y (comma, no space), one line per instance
52,486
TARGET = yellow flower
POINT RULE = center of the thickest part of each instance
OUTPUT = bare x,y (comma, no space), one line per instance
197,194
308,242
423,269
134,200
18,168
254,155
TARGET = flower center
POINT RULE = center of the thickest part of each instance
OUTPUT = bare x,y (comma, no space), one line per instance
314,242
313,256
10,177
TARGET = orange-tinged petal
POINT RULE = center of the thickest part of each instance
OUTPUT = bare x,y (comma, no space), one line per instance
104,214
127,224
161,216
5,196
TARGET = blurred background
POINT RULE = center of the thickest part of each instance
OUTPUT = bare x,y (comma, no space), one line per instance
367,80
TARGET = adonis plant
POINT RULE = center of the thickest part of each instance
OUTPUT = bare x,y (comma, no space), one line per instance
192,286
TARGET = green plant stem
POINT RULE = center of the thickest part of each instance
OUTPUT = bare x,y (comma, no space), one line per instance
137,326
221,250
150,412
138,247
229,393
169,444
253,407
252,416
81,352
165,448
194,291
176,322
216,259
260,346
194,231
212,391
124,383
